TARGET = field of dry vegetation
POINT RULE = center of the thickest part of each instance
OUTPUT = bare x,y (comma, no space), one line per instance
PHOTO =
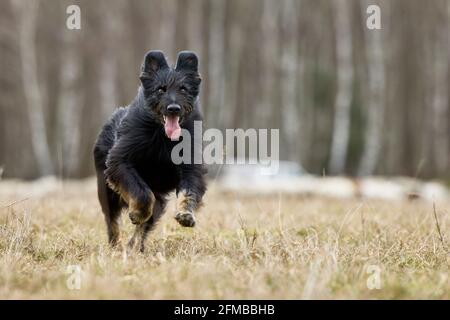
264,247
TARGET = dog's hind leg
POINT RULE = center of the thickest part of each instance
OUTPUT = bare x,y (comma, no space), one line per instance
111,207
142,230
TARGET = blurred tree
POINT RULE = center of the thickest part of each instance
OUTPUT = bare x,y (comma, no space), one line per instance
26,17
344,70
375,97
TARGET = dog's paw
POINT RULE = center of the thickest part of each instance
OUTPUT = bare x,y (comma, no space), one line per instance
139,217
186,219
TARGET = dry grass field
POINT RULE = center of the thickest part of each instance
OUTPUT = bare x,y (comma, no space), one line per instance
264,247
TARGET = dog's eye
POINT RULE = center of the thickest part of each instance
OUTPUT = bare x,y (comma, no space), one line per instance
183,89
161,90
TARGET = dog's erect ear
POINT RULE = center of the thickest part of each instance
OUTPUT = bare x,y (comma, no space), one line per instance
154,60
187,60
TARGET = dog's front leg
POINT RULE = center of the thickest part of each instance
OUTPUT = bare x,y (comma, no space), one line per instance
123,178
189,195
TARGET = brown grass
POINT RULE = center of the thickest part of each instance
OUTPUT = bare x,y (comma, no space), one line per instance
263,247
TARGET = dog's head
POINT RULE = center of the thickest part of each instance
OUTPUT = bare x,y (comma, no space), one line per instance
170,93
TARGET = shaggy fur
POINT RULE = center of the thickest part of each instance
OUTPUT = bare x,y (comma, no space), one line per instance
132,151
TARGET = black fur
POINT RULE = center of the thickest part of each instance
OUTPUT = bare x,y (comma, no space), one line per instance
132,151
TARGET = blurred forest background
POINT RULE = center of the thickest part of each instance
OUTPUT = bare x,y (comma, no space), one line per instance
347,100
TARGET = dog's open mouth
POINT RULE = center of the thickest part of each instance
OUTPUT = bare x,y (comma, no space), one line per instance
172,127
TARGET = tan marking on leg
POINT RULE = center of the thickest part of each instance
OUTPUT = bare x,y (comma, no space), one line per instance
185,209
114,187
136,210
139,214
122,193
185,202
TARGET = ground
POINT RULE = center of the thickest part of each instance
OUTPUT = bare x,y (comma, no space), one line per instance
275,246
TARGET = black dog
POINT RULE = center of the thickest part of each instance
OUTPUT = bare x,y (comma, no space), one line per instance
133,150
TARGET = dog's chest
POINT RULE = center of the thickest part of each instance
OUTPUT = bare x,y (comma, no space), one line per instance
158,171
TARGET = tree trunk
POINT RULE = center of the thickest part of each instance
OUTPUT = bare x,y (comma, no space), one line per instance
341,129
26,15
194,26
69,104
111,28
375,99
269,48
440,100
232,114
216,63
167,29
289,66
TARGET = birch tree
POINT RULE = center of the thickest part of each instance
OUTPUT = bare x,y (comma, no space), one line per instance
216,62
167,27
269,51
440,102
26,15
234,60
69,103
289,66
374,98
112,27
344,70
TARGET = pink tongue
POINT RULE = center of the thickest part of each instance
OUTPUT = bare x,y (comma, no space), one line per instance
172,128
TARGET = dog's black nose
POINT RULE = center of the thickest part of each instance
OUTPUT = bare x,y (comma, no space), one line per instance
173,108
